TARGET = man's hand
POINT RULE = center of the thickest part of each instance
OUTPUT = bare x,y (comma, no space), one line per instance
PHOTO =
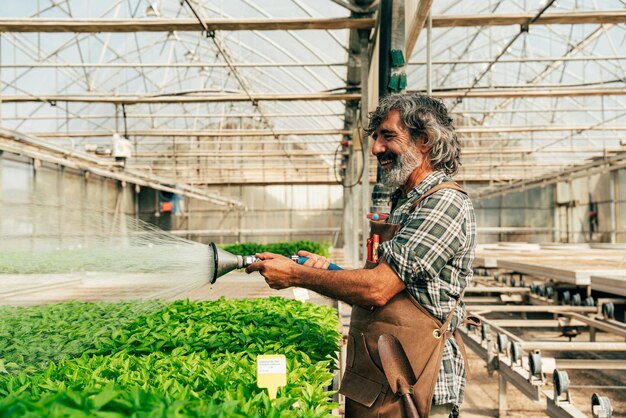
276,269
314,260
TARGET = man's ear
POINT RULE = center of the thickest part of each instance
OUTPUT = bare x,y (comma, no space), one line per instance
424,146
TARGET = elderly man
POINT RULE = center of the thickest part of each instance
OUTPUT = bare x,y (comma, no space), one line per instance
424,263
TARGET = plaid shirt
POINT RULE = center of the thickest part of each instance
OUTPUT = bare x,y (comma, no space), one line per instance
432,253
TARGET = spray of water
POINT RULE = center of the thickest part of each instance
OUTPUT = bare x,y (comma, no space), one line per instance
76,251
98,256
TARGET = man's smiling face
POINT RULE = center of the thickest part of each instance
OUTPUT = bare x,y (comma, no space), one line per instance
398,155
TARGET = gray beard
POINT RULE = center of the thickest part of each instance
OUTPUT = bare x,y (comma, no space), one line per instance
405,164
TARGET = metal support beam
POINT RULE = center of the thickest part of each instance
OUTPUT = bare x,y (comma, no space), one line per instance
190,98
587,364
134,65
596,346
167,25
468,130
566,18
606,164
613,203
530,308
182,116
170,25
384,46
365,183
601,325
494,93
531,128
520,60
529,92
502,403
20,144
417,23
563,409
429,55
208,132
35,64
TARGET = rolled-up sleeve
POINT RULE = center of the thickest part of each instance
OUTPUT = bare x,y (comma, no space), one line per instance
429,238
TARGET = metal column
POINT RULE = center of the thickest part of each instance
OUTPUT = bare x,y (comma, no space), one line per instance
358,59
612,205
384,47
429,54
365,179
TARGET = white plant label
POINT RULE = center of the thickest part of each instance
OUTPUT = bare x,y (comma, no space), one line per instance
274,365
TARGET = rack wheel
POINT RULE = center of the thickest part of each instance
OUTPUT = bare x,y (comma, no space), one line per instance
534,363
549,292
533,288
503,342
608,310
522,282
516,351
576,299
512,281
484,332
542,290
561,381
589,301
566,298
601,406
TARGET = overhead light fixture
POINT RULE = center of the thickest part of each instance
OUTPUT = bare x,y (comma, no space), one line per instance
190,55
152,10
172,36
204,71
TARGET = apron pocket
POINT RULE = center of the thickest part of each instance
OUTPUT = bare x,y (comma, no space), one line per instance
350,351
360,389
368,356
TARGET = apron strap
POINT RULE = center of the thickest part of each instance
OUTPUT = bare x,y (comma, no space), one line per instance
445,185
456,335
446,324
444,328
459,341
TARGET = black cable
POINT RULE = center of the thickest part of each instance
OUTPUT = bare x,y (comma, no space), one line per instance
124,115
364,151
339,180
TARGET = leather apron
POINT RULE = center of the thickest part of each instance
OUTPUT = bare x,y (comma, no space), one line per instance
422,336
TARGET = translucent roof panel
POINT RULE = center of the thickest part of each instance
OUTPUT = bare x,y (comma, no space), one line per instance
168,136
512,136
527,103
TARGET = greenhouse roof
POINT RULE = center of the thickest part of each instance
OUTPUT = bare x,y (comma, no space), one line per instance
255,92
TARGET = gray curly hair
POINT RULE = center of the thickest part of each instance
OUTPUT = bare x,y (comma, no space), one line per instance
427,118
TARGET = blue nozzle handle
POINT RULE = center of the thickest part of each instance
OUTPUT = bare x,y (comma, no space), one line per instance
301,260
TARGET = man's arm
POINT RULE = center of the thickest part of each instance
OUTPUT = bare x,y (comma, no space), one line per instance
358,287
